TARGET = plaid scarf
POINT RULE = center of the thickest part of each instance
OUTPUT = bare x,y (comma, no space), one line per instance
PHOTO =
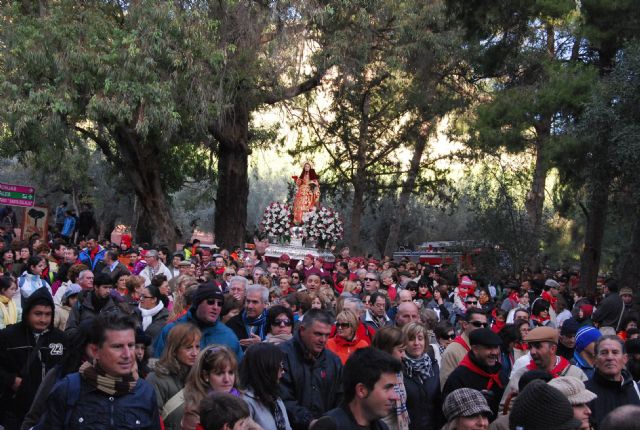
422,367
110,385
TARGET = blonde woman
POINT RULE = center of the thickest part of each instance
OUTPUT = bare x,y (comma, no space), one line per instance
346,341
215,371
183,282
170,373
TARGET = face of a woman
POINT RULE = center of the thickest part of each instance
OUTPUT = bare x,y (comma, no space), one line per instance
483,295
147,301
164,288
475,422
344,330
447,340
524,330
11,291
316,304
307,167
399,352
423,290
221,380
582,413
416,346
187,354
283,325
139,350
38,268
122,283
24,253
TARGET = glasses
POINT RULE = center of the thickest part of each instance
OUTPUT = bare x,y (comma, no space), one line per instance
212,302
295,277
146,297
370,279
343,325
449,336
472,302
281,323
478,324
230,274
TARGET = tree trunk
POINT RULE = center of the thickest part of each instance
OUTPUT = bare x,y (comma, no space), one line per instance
629,269
534,203
359,179
233,183
400,211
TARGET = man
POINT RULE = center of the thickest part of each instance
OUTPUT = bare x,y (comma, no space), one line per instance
312,382
28,350
186,267
567,340
452,356
93,255
174,267
543,345
609,311
59,216
312,284
113,267
623,418
480,369
85,280
105,394
630,311
542,407
369,381
154,267
611,382
307,265
250,325
584,356
238,288
371,283
92,303
407,312
376,316
204,312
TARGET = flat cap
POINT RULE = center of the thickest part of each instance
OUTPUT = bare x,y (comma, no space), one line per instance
542,334
465,402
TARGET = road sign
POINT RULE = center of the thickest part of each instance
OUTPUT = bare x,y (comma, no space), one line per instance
17,195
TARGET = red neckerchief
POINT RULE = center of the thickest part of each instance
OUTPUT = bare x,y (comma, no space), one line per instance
521,346
497,326
93,252
562,365
548,297
539,321
494,378
462,342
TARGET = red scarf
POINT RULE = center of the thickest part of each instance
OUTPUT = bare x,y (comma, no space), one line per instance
548,297
494,378
462,342
522,346
513,298
497,326
560,368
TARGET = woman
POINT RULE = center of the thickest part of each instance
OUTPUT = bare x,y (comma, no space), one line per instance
170,373
421,380
520,347
121,287
424,294
153,314
135,284
485,301
346,342
279,324
9,312
162,284
540,316
31,279
308,193
179,300
440,303
444,336
393,341
316,302
68,301
215,371
260,375
509,337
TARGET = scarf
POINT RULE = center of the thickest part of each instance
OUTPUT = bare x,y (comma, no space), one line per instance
9,311
462,342
260,323
562,364
422,367
401,404
278,417
539,322
110,385
521,346
494,378
497,326
548,297
148,314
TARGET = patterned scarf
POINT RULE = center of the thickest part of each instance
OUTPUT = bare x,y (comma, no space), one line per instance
111,385
422,367
260,324
278,417
401,404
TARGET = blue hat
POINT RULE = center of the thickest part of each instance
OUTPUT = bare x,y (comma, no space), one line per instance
585,336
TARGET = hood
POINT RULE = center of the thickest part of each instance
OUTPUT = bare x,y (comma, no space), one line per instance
40,296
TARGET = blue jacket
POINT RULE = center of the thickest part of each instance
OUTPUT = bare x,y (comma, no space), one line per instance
218,334
92,409
85,257
69,226
582,364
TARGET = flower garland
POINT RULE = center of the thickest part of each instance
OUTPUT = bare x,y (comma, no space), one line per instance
276,220
323,224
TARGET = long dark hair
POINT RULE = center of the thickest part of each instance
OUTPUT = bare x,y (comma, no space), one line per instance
312,173
34,260
259,371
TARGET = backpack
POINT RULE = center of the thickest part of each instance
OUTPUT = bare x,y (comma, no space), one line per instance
73,395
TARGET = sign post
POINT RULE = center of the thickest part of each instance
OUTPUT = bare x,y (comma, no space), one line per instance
17,195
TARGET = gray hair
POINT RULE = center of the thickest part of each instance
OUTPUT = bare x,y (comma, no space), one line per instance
356,301
375,275
82,274
152,253
361,271
241,279
264,291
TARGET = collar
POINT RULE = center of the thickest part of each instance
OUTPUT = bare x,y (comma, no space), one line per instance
113,266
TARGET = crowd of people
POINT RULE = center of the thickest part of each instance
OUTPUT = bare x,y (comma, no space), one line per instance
116,336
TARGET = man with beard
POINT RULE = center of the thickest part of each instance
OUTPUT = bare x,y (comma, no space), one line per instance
480,369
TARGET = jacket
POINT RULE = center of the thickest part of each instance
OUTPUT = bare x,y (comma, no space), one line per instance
609,311
344,420
309,387
424,401
18,358
611,394
165,387
260,414
85,258
120,270
95,410
217,333
451,357
344,348
158,322
83,310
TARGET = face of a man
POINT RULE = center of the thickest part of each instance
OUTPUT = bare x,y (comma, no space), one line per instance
378,307
237,290
308,261
208,310
39,318
219,262
521,315
477,321
315,337
487,355
370,284
610,360
92,244
151,261
542,353
102,291
407,312
405,296
313,283
627,299
377,403
568,341
254,304
86,281
116,355
59,253
175,261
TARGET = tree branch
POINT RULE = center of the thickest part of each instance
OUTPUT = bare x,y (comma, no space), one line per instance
295,90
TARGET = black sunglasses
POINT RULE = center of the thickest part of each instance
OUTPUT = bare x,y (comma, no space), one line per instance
478,324
212,302
471,302
343,325
285,323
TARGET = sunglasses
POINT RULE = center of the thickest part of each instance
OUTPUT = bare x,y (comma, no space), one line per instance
449,336
478,324
295,277
370,279
281,323
323,282
343,325
212,302
472,302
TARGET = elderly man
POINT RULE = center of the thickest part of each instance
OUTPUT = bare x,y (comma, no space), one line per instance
376,316
238,288
371,282
408,312
154,267
611,382
250,326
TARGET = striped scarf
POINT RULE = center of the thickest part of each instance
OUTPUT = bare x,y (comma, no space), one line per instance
110,385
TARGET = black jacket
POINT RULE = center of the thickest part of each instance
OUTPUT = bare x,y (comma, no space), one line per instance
608,312
84,310
611,394
344,420
309,388
19,358
424,401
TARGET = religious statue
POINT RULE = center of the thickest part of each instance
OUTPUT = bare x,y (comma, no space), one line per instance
308,192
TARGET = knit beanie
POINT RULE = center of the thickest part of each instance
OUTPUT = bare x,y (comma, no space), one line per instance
542,407
570,327
585,336
206,291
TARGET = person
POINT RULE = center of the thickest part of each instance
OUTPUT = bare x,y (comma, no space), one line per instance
204,313
543,344
611,382
9,312
311,384
216,370
473,319
609,312
93,255
369,381
222,411
376,316
421,380
86,222
622,418
480,369
444,336
93,303
584,356
28,349
346,341
260,374
308,192
170,372
567,339
408,312
250,326
69,300
152,313
466,409
579,397
540,314
105,394
68,225
59,215
154,267
31,279
542,407
143,342
280,324
113,267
